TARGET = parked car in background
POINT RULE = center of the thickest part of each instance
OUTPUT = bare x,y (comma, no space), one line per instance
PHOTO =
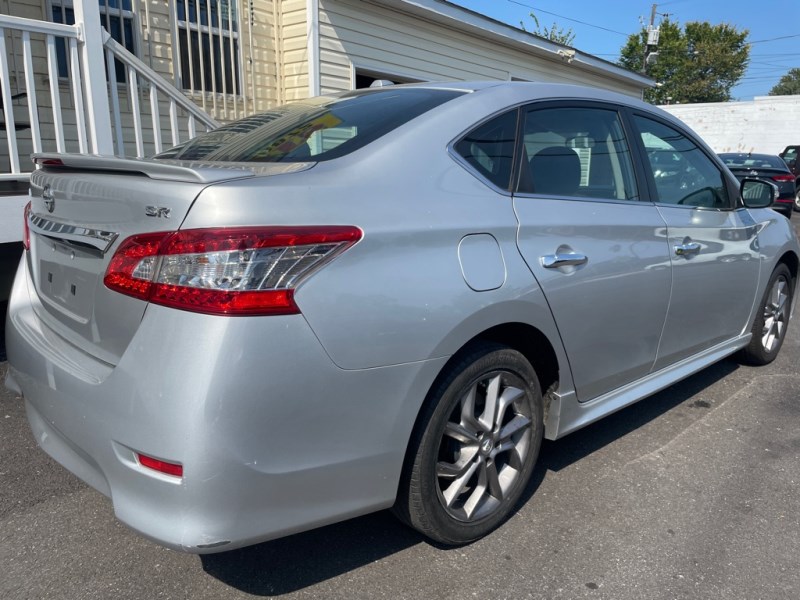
789,155
381,299
770,168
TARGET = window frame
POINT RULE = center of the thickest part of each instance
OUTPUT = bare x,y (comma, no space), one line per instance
637,168
463,162
731,185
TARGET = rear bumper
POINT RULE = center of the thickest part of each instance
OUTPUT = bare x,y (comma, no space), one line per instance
272,436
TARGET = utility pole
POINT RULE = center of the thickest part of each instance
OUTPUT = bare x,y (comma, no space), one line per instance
651,47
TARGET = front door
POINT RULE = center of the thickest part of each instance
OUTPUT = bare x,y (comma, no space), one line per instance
713,246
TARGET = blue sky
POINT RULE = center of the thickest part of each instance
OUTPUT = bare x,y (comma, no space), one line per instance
766,20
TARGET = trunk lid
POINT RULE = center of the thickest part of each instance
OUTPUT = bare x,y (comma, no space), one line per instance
82,208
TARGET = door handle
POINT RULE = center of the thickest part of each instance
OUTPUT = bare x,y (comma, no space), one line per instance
687,249
571,259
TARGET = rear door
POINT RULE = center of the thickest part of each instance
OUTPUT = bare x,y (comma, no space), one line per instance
713,243
597,249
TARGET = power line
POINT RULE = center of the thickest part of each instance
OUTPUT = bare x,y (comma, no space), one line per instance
783,37
567,18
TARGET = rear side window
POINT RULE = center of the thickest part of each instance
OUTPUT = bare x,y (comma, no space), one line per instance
489,148
317,129
683,174
576,152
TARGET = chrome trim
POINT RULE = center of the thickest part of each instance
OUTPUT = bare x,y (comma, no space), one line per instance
568,259
96,238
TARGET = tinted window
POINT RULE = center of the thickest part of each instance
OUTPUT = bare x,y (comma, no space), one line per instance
683,174
489,148
576,152
317,129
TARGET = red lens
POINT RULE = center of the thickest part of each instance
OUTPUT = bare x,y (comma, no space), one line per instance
26,229
786,177
160,465
120,273
193,269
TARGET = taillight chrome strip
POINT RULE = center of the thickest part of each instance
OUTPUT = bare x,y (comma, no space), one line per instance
97,238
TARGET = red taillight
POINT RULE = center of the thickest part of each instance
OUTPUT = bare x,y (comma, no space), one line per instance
49,162
161,466
787,177
233,271
26,228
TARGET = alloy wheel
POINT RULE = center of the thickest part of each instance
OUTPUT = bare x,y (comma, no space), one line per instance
483,447
775,314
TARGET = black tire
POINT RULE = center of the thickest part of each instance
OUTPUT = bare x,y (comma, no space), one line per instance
796,204
769,327
465,470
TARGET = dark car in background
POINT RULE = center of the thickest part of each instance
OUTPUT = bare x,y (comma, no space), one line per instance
767,167
789,155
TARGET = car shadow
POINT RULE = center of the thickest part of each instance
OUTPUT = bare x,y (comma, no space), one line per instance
293,563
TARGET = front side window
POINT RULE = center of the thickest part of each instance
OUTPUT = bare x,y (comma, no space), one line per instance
683,174
116,16
208,45
317,129
576,151
489,148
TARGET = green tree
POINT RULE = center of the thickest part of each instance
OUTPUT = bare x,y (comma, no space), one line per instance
788,85
555,33
700,63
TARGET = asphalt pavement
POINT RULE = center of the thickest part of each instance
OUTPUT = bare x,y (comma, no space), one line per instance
692,493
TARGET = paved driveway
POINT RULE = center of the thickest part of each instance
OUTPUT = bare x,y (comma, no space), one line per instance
693,493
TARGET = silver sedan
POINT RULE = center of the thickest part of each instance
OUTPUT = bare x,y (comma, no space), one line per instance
381,299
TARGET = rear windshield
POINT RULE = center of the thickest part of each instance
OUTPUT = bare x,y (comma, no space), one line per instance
317,129
753,161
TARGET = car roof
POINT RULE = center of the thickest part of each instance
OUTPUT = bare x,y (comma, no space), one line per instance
537,90
747,155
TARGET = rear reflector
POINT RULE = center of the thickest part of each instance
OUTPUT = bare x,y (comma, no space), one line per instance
232,271
160,465
787,177
26,229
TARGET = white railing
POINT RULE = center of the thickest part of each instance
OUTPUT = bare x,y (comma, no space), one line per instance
141,78
51,31
85,117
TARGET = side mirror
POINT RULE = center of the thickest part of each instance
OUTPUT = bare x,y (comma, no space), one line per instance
757,193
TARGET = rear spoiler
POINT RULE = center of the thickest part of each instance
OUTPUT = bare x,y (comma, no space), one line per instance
170,170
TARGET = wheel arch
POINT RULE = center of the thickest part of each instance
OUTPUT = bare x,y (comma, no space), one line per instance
791,260
527,339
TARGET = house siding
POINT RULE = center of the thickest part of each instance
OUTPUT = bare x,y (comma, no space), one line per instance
357,34
293,50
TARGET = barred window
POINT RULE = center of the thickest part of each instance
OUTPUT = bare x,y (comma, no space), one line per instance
208,45
115,15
